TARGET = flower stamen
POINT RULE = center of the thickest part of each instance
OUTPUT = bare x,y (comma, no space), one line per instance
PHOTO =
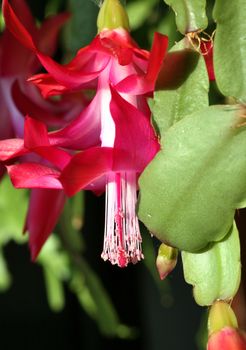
122,238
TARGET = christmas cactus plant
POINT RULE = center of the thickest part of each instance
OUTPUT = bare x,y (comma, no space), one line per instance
161,131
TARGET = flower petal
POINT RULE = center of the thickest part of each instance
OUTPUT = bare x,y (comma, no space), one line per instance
157,55
47,34
36,140
20,22
82,132
33,175
11,148
10,45
9,66
57,157
24,14
44,111
45,207
119,43
33,38
85,168
14,25
48,85
86,66
141,84
35,133
70,76
135,135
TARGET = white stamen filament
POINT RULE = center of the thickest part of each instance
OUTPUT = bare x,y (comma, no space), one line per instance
122,238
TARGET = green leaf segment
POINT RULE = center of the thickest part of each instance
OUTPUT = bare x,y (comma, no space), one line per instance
190,191
190,14
183,86
230,48
221,270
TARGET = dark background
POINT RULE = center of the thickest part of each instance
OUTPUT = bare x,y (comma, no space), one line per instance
26,320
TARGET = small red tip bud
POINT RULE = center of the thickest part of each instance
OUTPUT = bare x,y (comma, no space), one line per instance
223,329
166,260
227,339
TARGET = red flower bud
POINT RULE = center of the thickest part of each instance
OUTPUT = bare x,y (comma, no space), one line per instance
227,338
223,328
207,51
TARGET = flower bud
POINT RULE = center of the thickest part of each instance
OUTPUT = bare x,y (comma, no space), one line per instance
223,329
166,260
227,339
112,15
207,52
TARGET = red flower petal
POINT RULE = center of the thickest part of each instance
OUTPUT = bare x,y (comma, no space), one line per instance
34,104
70,76
45,207
135,135
13,23
47,34
35,134
22,26
157,54
12,148
9,66
30,36
85,168
36,140
84,67
142,84
48,85
117,46
82,132
33,175
120,44
24,14
55,156
10,46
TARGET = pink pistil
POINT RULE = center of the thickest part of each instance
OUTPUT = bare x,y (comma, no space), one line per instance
122,238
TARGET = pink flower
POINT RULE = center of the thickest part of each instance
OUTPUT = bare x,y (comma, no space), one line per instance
112,58
16,95
116,168
114,130
19,97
